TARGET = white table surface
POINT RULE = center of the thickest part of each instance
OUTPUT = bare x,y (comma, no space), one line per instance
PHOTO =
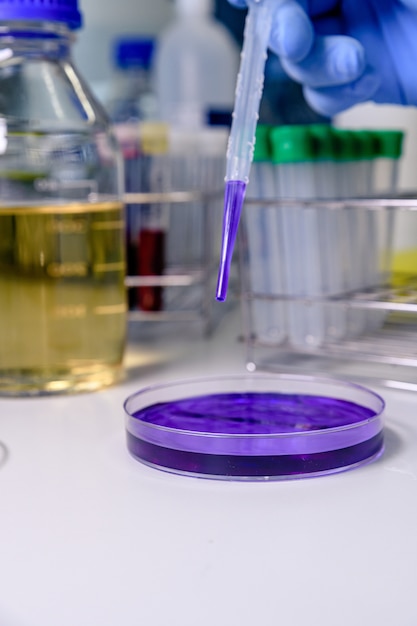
91,537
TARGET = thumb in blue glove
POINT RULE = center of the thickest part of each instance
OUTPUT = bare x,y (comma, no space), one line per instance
387,32
359,51
292,32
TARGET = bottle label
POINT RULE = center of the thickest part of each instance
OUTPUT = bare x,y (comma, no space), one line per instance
154,138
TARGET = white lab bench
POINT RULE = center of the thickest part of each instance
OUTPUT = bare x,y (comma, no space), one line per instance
91,537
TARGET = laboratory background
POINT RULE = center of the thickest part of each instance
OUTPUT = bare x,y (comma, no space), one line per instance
93,54
208,328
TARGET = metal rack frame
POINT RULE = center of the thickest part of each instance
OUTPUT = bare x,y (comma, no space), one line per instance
202,275
387,357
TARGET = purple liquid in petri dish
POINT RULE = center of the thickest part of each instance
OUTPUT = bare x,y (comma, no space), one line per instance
239,435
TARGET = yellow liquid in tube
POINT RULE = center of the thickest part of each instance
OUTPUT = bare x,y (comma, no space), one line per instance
62,297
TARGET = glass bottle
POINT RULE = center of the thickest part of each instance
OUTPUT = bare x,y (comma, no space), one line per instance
62,258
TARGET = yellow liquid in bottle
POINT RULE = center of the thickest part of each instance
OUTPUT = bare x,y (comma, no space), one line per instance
62,297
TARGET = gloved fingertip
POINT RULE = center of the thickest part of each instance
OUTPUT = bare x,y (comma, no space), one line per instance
323,103
292,33
332,100
410,4
365,87
347,60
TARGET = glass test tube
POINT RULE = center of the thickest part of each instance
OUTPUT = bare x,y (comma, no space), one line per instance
293,154
152,220
386,171
333,228
350,185
265,246
369,249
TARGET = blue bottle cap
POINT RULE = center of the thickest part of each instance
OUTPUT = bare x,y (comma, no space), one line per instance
130,52
65,11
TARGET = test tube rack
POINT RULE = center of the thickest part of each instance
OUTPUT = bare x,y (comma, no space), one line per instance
374,333
173,198
188,277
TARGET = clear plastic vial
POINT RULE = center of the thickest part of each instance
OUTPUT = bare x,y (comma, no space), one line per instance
62,260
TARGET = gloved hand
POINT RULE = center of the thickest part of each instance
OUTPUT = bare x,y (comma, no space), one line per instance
348,51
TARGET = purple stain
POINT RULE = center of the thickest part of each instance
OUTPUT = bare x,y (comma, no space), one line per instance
235,434
250,466
234,196
254,413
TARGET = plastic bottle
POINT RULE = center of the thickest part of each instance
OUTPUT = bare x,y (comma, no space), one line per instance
62,265
196,67
131,95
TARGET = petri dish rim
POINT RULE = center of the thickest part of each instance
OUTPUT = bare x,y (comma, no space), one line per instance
332,383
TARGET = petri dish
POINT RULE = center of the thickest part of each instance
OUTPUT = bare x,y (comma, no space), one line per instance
255,427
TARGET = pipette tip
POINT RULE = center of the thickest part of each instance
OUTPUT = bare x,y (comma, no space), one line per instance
234,196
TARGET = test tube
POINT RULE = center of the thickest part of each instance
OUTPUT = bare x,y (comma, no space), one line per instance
196,162
350,185
152,220
127,135
293,155
333,227
183,162
376,243
265,246
388,152
368,251
386,170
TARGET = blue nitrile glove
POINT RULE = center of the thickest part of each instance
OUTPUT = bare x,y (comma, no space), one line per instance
360,50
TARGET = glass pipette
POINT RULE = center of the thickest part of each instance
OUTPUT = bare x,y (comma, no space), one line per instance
241,144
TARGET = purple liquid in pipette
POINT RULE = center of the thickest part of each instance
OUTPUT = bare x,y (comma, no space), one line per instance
234,196
259,414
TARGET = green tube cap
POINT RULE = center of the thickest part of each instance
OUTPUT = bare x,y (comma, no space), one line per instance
345,146
324,142
366,145
389,143
292,144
